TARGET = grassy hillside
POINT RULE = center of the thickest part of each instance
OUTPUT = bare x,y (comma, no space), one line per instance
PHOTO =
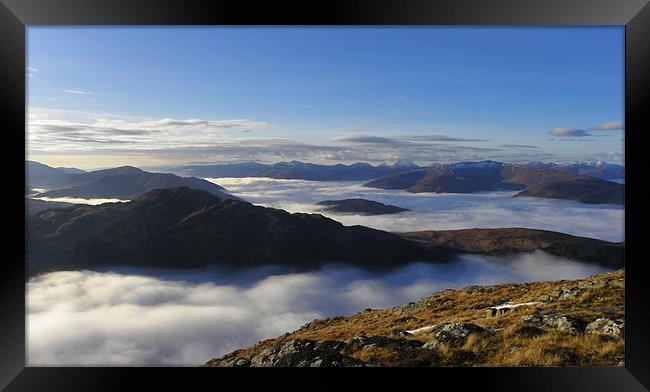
561,323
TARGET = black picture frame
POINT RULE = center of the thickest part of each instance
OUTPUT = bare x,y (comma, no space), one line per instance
17,15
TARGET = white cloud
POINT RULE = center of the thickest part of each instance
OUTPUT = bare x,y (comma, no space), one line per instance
137,317
53,132
610,126
30,71
78,92
435,211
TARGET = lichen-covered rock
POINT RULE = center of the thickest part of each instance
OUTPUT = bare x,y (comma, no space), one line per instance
235,362
411,307
305,353
561,322
453,334
606,327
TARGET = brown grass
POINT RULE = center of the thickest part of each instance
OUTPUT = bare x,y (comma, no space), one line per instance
508,342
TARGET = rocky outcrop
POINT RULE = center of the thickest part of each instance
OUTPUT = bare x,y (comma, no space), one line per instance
450,328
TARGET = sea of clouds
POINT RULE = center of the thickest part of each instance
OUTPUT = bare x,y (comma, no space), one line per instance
432,211
162,317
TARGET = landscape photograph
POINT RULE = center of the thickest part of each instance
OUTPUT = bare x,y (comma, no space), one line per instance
325,196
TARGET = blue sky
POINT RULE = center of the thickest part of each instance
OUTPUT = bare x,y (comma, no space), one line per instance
105,96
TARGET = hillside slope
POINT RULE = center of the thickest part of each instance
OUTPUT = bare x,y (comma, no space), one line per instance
506,241
186,228
557,323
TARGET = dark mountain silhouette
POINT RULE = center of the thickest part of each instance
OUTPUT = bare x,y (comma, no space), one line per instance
468,177
34,206
360,206
183,228
126,183
498,242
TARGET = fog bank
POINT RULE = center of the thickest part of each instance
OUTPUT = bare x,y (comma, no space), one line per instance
158,317
432,211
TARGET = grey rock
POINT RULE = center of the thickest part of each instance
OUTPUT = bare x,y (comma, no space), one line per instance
453,334
235,362
607,327
561,322
299,353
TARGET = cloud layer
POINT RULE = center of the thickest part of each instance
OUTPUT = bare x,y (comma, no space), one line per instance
58,132
140,317
435,211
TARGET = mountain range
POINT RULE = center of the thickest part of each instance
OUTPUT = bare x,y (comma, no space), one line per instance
294,170
468,177
598,169
364,171
42,176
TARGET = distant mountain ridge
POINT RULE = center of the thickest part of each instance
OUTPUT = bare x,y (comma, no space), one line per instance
124,182
296,170
598,169
468,177
40,175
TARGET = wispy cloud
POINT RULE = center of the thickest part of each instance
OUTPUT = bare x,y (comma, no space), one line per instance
563,132
610,126
30,71
78,92
48,132
58,132
439,138
365,139
370,139
524,146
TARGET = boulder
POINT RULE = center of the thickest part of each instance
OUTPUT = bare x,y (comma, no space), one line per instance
561,322
606,327
453,334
